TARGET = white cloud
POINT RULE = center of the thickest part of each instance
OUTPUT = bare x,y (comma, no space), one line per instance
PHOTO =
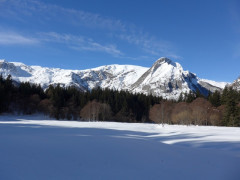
150,44
11,38
80,43
49,13
93,46
75,42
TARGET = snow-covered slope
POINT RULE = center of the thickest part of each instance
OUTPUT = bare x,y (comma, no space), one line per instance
112,76
36,148
165,78
220,85
118,77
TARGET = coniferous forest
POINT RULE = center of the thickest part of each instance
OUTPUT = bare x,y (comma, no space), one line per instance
218,109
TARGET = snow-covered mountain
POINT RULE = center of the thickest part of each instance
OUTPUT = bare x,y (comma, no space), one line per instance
165,78
236,84
168,79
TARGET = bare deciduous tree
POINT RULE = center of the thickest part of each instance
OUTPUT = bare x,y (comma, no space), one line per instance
161,113
181,114
96,111
200,111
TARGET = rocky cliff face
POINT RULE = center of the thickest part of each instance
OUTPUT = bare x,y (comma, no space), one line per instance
165,78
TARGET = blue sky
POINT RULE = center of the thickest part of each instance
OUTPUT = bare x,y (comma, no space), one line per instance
203,36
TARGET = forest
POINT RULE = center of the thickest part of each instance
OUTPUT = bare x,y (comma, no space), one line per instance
218,108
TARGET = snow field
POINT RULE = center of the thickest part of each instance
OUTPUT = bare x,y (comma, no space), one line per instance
34,148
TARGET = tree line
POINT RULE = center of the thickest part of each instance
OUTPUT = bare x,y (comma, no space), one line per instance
72,104
218,109
221,109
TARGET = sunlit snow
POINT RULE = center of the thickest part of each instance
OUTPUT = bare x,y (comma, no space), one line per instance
34,148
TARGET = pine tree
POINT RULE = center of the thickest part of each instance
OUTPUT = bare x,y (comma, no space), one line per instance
225,95
215,98
180,98
190,97
198,94
232,112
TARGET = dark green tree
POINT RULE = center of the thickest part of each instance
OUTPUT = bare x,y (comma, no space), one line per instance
215,98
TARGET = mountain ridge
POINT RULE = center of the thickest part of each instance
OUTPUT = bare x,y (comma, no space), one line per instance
165,78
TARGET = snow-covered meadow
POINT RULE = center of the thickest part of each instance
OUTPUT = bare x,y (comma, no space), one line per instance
35,147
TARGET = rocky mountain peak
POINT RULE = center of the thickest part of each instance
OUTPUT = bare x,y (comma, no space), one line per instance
167,64
163,60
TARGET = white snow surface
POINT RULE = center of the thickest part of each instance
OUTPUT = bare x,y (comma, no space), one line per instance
221,85
121,76
36,147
